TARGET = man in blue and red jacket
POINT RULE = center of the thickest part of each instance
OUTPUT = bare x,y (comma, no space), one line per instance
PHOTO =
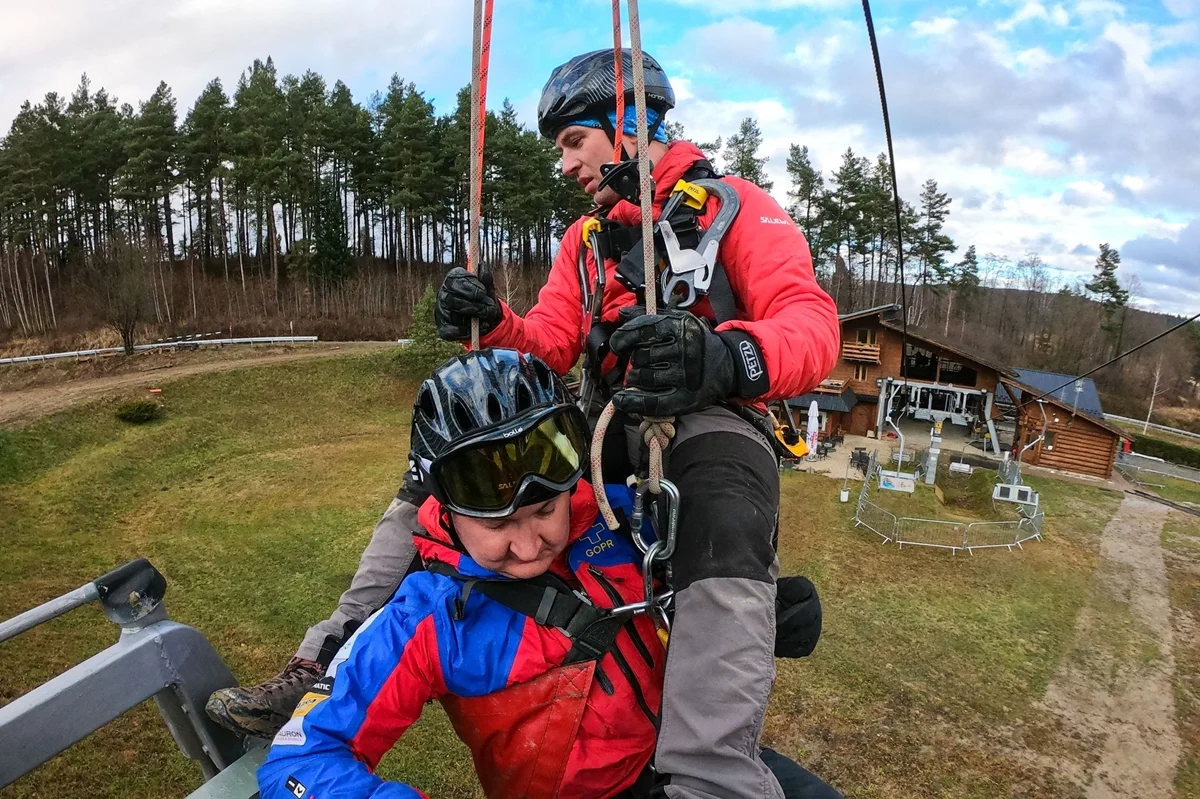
561,698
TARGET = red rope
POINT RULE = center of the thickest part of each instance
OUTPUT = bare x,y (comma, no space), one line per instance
620,77
485,52
481,50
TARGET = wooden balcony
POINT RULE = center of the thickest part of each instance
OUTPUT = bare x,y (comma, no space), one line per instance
830,386
865,353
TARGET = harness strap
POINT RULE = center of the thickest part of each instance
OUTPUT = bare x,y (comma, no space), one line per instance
550,602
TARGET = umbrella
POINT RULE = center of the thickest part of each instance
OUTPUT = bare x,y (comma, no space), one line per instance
813,422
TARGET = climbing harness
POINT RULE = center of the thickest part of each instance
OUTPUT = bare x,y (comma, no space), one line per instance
693,270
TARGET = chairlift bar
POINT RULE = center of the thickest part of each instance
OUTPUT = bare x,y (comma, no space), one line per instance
83,595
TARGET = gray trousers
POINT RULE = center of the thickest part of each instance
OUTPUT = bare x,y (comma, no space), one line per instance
720,662
382,566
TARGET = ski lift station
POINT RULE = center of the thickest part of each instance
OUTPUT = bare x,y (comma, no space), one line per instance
880,382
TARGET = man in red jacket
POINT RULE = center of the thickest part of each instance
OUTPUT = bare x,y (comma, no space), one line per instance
778,338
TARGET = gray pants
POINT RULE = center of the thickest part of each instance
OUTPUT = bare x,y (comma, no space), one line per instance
720,663
382,566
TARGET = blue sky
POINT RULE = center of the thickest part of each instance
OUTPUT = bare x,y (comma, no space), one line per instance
1053,125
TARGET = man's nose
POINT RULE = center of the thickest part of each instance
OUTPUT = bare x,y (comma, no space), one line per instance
525,546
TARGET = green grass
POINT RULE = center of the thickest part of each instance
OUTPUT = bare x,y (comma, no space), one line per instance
1183,491
1181,540
258,489
925,680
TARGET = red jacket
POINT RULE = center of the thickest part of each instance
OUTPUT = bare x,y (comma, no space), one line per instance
769,267
537,729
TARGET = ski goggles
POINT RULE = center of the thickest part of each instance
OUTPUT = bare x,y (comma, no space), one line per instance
493,475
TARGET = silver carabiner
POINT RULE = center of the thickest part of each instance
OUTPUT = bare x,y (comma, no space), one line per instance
694,272
671,495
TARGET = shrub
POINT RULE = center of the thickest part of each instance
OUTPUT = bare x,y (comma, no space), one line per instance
426,351
1171,453
138,411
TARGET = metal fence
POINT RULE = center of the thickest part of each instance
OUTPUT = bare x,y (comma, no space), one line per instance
941,534
1112,417
165,345
1144,471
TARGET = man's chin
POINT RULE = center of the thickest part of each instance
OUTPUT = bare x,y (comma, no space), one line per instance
606,197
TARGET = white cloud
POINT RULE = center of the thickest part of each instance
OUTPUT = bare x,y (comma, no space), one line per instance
128,46
1135,183
938,26
1032,159
739,6
1183,8
1087,193
1094,11
1034,10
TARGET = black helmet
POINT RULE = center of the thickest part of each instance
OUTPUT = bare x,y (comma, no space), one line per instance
586,87
490,425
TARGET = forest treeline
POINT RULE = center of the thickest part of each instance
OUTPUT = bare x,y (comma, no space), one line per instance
289,202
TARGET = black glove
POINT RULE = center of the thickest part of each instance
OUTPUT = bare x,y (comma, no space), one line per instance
677,365
463,297
797,617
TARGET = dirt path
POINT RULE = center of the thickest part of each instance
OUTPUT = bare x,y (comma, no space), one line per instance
21,406
1113,693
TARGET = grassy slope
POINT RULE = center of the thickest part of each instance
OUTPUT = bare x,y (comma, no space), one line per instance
925,679
258,491
1162,435
1181,541
1176,490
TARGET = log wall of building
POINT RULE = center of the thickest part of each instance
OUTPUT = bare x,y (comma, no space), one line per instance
1080,445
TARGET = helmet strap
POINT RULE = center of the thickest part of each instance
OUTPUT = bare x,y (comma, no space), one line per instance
607,126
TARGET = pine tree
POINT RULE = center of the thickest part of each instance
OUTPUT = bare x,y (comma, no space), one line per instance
963,283
1113,298
331,262
931,245
805,193
741,154
150,174
674,131
207,145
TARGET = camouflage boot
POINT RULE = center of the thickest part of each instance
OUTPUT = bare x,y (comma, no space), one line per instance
261,710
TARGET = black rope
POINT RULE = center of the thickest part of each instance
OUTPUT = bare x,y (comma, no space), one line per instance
887,130
1109,362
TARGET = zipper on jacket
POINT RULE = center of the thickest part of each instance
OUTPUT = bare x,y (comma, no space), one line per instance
630,627
605,684
623,664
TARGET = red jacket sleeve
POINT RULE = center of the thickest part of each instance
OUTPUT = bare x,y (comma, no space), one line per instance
553,328
770,271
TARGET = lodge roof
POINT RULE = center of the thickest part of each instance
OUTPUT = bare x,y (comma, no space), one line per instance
842,402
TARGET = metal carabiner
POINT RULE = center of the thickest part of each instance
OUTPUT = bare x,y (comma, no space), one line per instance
694,272
670,497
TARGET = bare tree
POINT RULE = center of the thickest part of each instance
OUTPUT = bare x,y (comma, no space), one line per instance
1154,393
117,288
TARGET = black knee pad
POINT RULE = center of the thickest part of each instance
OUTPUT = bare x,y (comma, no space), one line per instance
729,496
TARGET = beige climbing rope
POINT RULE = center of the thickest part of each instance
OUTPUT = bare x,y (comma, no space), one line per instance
656,432
482,45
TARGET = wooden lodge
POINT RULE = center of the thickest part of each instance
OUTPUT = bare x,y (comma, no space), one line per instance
1076,438
877,381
